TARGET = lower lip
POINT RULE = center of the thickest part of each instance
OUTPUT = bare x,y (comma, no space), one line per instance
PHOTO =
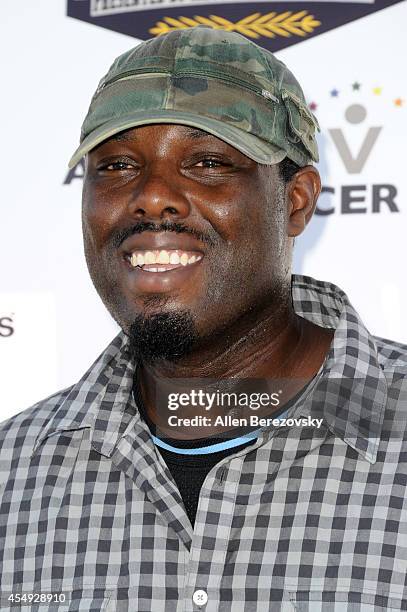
143,281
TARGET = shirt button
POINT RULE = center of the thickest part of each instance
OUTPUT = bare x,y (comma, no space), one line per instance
200,598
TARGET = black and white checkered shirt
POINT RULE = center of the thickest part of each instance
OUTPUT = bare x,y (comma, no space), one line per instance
305,519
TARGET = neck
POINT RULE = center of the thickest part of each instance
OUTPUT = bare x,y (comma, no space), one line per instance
278,345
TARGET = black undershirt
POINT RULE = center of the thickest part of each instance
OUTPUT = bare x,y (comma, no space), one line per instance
190,471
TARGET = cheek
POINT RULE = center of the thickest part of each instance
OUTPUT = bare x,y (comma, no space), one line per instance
269,227
229,211
99,218
249,226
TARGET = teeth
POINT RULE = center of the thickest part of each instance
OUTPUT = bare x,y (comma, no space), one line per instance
150,258
184,259
158,269
163,257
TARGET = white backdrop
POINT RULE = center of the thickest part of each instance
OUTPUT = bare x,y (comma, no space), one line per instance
52,323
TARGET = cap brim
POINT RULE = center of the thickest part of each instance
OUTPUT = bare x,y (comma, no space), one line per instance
257,149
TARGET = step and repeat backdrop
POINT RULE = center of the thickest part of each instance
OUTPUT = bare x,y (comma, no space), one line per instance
350,59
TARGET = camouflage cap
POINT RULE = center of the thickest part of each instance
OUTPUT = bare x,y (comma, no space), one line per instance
214,80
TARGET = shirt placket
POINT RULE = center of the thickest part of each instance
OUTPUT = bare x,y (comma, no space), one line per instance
211,534
137,457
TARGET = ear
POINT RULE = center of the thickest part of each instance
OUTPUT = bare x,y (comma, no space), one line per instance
302,194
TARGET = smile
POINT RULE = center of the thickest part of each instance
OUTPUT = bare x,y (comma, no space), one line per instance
163,260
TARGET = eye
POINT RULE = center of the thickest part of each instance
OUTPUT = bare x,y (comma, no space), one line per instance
209,163
118,165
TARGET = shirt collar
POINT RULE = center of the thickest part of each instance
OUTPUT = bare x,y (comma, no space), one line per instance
101,400
351,390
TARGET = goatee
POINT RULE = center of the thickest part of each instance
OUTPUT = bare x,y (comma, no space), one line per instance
166,335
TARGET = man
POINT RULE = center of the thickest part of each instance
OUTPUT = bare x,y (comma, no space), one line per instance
199,149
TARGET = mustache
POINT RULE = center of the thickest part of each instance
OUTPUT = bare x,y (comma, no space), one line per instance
167,226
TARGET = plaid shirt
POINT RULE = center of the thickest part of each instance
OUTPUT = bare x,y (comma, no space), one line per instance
305,519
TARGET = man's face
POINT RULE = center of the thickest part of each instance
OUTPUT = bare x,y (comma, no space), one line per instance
190,197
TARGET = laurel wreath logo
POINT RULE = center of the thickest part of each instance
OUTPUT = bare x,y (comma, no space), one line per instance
253,26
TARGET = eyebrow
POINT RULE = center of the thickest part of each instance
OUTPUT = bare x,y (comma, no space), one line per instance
122,136
196,132
190,132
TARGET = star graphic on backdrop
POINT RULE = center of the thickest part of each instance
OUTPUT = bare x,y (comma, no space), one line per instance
334,93
398,102
377,90
356,86
313,106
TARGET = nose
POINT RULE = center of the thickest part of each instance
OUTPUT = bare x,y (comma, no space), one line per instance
159,197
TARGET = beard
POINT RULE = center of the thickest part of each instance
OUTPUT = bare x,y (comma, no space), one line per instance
164,335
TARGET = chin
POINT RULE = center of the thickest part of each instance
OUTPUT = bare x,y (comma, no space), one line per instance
162,335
